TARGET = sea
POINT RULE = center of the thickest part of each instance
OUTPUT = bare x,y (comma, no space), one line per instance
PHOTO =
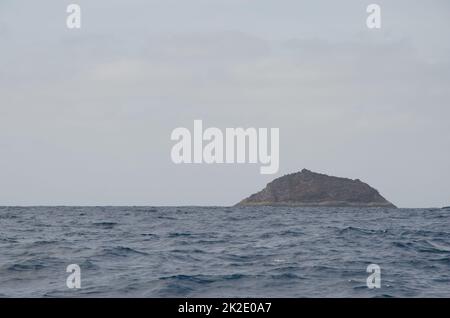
224,252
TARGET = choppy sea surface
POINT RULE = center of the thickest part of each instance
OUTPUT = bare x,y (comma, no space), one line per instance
224,252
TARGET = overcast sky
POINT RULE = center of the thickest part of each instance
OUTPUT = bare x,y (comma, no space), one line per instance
86,115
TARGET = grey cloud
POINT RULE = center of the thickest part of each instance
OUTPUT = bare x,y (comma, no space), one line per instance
85,117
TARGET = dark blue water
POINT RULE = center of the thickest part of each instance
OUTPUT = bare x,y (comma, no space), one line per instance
224,252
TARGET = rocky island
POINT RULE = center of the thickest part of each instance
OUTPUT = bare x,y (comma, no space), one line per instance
307,188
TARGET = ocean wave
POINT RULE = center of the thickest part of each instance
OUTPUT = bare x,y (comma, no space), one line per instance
358,230
422,246
199,252
105,225
179,234
120,251
33,264
205,279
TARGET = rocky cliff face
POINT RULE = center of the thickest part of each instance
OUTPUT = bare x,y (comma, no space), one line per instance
307,188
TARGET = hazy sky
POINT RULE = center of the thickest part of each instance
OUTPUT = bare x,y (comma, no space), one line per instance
86,115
